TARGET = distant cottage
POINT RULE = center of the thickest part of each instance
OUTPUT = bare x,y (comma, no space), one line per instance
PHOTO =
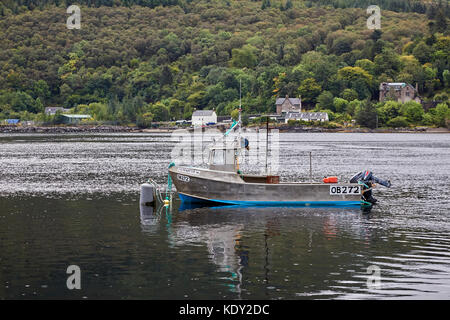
204,117
291,108
52,110
306,116
287,104
399,91
75,118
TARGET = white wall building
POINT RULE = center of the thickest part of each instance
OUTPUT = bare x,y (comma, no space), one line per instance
203,117
307,116
52,110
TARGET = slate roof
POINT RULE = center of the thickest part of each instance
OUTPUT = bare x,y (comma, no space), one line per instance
394,85
203,113
77,116
293,101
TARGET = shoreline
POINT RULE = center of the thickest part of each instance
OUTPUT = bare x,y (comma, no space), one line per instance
127,129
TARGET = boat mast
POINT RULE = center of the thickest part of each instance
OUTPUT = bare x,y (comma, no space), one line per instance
267,143
240,108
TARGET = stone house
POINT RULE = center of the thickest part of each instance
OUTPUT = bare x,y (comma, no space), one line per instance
399,91
287,104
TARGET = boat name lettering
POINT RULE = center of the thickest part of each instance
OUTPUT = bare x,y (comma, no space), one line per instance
183,178
189,171
340,190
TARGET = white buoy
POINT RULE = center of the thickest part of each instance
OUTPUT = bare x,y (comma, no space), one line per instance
147,195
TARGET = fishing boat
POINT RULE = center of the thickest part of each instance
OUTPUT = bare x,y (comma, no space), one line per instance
224,183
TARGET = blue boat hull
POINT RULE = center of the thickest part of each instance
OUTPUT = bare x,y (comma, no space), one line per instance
191,199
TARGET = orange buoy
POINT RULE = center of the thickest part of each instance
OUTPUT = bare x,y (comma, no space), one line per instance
330,180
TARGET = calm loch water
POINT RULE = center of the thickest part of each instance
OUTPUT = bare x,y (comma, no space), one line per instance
73,200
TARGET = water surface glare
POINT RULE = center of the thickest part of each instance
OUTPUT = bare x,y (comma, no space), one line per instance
73,200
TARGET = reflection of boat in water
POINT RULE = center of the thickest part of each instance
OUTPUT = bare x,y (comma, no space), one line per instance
224,183
239,242
222,241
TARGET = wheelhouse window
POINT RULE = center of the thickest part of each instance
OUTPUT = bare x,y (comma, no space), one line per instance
222,156
218,157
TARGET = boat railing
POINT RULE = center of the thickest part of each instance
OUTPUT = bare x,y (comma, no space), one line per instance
158,189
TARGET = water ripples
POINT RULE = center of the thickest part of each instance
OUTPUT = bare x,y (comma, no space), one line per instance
59,190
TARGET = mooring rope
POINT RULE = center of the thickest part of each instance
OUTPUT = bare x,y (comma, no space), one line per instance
169,183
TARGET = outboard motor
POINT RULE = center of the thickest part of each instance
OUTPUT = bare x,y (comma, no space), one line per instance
367,179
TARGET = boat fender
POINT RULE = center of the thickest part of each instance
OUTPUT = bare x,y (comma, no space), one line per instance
330,180
147,195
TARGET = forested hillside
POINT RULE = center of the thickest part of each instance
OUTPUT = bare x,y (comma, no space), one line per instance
138,61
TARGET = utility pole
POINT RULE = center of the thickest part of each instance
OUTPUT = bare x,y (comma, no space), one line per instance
267,144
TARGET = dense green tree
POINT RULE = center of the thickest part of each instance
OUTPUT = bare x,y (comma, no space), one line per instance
309,90
366,115
353,106
265,4
446,78
388,110
244,57
288,5
422,52
387,62
325,101
413,112
366,65
340,105
160,112
349,94
442,114
130,63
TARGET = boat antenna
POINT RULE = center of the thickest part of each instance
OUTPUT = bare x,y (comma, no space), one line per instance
240,106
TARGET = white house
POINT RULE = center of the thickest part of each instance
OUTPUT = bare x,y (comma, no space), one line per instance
307,116
204,117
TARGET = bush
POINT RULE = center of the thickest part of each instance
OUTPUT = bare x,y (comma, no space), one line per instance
427,119
443,96
398,122
294,123
442,114
330,125
413,111
340,105
349,94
